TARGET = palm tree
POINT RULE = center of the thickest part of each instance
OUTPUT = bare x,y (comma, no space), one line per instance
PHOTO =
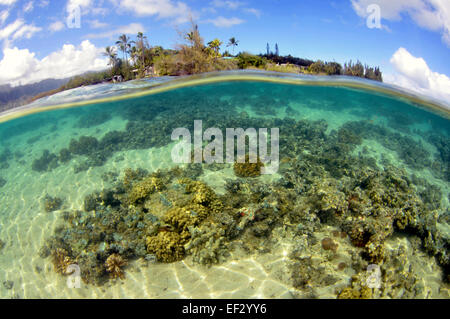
110,52
141,45
124,44
134,53
215,46
233,42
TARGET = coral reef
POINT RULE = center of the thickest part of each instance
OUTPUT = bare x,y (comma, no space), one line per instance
304,273
411,152
144,188
93,118
52,203
167,246
207,244
46,162
64,155
61,260
248,169
5,156
84,146
165,206
352,293
93,268
327,180
342,266
114,264
329,244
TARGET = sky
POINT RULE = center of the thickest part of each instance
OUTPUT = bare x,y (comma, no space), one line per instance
408,39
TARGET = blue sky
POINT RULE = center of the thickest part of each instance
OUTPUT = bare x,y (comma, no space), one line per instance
411,44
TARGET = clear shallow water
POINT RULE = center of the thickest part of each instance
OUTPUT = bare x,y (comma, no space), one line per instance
363,180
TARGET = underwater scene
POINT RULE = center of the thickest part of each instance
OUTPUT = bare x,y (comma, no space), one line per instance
93,204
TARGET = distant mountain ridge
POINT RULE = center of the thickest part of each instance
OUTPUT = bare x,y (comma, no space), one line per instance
15,96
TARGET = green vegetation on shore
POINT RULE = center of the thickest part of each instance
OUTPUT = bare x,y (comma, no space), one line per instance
140,60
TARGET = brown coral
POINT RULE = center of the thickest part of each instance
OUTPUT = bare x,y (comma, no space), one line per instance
167,246
114,264
144,188
342,266
202,197
182,218
248,169
358,235
329,244
52,203
61,260
352,293
375,250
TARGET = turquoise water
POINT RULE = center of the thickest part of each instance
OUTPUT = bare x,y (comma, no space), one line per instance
363,180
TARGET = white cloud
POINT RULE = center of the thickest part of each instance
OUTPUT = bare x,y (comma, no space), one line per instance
99,11
85,7
254,11
233,5
160,8
415,74
209,10
390,10
72,4
132,28
56,26
222,22
433,15
25,31
43,3
7,31
20,66
95,24
16,30
3,16
28,6
7,2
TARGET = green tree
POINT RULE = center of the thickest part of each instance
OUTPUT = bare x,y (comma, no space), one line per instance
124,44
354,69
141,44
110,53
214,45
378,75
134,54
233,43
246,60
317,67
192,57
194,38
333,68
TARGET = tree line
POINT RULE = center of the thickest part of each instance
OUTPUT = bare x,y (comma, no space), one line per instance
136,58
